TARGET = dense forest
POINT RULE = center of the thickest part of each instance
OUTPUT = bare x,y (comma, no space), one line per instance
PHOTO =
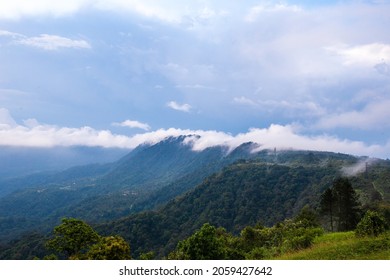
158,198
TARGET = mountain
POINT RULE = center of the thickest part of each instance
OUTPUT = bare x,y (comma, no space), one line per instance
158,194
22,161
146,177
246,193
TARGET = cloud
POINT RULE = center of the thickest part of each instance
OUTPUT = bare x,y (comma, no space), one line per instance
359,167
364,55
258,10
383,68
34,134
53,42
179,107
45,41
16,9
286,107
170,11
374,116
6,120
6,33
133,124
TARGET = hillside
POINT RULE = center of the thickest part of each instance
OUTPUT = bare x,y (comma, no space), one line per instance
148,176
159,194
242,194
344,246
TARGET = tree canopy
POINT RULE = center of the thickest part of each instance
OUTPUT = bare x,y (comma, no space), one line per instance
75,239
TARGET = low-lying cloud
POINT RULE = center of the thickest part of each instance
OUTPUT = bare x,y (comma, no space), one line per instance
34,134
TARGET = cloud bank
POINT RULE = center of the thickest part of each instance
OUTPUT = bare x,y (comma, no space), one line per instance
33,134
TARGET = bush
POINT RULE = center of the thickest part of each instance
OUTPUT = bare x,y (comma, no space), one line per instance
372,224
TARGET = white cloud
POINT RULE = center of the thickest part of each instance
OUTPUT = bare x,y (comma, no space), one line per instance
297,108
364,55
245,101
275,136
258,10
6,120
6,33
53,42
19,8
34,134
179,107
133,124
374,116
171,11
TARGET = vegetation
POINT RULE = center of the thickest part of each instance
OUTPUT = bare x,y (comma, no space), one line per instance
344,246
372,224
160,201
75,239
341,204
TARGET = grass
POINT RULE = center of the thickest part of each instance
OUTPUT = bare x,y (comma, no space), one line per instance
344,246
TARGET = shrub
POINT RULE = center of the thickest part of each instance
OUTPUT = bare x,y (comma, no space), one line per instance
372,224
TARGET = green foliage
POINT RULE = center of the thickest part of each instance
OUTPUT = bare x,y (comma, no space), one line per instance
283,237
253,242
147,256
307,217
341,204
266,187
77,240
372,224
109,248
72,237
347,204
344,246
204,244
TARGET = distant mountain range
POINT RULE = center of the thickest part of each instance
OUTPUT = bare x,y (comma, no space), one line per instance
157,194
22,161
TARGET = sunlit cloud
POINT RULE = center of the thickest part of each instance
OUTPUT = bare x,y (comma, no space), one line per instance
133,124
179,107
364,55
53,42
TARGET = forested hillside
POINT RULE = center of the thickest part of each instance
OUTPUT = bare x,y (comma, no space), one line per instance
148,176
160,194
245,193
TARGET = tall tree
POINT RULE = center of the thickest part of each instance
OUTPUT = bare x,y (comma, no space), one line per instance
347,204
73,237
341,204
326,205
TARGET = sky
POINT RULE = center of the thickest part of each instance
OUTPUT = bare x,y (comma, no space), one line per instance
117,73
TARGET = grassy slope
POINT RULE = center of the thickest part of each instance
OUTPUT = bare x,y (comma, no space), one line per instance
344,246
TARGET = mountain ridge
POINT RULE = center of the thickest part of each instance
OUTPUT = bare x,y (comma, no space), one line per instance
143,184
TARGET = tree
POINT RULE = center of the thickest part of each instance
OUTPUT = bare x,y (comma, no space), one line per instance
372,224
326,205
341,204
204,244
73,237
109,248
307,217
347,204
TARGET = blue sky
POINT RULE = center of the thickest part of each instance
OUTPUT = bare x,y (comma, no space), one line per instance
288,74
